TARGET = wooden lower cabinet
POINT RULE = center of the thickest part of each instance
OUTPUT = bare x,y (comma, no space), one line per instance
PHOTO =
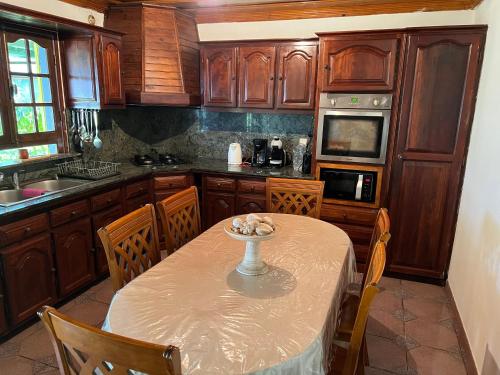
29,277
3,316
100,220
247,204
218,206
73,250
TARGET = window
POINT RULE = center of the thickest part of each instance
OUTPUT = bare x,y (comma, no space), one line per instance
30,100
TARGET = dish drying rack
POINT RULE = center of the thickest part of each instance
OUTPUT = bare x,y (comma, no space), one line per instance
88,170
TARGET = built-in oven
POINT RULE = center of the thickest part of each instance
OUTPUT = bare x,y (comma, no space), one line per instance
353,127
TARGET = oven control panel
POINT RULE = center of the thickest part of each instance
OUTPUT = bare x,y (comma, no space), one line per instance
356,101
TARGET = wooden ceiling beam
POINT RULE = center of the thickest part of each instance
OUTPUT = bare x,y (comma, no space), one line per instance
97,5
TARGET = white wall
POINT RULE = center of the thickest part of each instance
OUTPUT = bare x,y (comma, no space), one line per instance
59,8
307,28
474,275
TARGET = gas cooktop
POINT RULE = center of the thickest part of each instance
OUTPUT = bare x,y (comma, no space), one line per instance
156,160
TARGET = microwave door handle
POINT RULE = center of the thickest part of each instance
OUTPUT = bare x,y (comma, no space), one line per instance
359,187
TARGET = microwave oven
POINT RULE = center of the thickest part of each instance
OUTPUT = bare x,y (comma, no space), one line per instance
349,185
353,127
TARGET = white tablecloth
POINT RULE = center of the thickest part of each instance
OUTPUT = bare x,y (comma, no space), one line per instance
227,323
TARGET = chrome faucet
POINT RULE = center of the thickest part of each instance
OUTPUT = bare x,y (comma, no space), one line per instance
15,180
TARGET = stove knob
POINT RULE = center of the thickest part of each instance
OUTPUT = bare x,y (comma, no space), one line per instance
334,102
376,102
384,101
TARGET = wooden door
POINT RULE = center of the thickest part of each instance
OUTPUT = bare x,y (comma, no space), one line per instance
296,76
218,206
358,63
219,76
247,204
100,220
439,91
112,87
73,247
29,277
256,77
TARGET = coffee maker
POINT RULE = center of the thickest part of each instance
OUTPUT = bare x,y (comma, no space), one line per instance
278,155
259,156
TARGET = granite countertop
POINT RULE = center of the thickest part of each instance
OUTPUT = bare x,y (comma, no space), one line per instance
130,171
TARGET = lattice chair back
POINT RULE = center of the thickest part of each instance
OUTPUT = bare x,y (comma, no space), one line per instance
84,350
297,197
131,245
180,217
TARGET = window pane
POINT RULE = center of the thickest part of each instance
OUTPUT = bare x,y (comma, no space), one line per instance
22,89
42,90
18,56
38,58
12,154
45,117
25,119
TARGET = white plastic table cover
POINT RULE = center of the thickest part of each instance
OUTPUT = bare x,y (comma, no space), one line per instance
227,323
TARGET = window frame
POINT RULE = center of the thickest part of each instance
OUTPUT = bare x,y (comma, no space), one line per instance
50,41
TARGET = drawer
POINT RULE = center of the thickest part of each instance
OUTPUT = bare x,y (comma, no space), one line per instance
252,186
360,237
105,200
159,196
136,203
136,189
69,212
19,230
348,215
171,182
220,184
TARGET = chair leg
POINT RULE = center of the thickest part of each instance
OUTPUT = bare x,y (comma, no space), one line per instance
366,359
360,368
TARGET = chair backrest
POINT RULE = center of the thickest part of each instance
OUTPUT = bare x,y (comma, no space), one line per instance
180,218
381,232
298,197
131,245
353,352
376,266
82,349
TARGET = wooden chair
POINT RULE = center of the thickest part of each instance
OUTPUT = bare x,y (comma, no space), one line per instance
84,350
351,303
131,245
180,218
381,231
297,197
347,356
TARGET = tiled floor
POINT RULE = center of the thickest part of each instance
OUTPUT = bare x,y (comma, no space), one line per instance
410,331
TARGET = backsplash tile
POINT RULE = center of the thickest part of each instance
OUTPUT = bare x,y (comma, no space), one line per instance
192,132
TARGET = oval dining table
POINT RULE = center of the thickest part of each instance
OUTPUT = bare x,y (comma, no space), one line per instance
223,322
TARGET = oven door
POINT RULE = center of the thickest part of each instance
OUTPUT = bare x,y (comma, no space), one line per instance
353,135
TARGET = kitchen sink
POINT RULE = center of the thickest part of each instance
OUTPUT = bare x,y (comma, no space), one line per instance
44,187
55,185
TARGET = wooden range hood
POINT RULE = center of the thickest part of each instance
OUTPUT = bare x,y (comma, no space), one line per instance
161,63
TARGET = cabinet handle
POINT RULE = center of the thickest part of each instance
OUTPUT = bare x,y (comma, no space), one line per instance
92,250
109,200
27,230
219,184
400,157
73,213
272,78
327,67
281,78
233,78
53,270
252,188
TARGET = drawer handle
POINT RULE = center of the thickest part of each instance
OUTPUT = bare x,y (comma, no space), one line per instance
53,270
344,216
27,229
109,200
73,213
252,188
170,184
92,250
219,184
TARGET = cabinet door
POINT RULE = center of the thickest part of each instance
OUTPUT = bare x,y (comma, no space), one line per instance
100,220
256,77
296,76
73,245
112,88
29,277
364,64
80,71
218,206
219,76
439,90
248,204
3,316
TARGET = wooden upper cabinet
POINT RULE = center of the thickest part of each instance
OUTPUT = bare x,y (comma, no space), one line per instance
256,76
112,87
358,62
438,96
219,76
296,76
93,71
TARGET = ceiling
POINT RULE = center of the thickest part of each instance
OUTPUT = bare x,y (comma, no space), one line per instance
209,11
